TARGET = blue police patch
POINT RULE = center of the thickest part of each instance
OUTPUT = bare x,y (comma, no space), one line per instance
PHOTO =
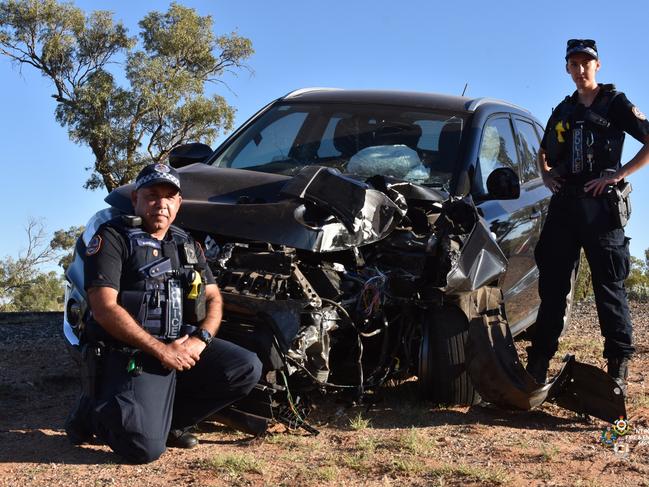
94,245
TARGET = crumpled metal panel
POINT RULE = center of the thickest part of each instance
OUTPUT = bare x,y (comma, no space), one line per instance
265,207
315,183
480,261
312,345
413,191
499,376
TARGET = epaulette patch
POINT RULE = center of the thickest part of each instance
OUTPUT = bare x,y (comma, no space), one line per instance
638,113
94,245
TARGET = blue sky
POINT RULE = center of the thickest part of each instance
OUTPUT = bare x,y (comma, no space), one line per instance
510,49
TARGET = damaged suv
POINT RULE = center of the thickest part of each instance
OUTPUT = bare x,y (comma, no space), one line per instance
355,234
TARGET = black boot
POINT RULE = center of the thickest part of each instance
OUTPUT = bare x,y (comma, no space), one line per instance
77,424
537,367
181,439
618,368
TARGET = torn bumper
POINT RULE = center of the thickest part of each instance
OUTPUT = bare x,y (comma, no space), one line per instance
500,378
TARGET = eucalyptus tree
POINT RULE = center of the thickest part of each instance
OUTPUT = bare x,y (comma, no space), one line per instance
130,99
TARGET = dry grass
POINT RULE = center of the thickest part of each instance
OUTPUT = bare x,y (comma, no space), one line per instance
359,423
462,474
400,440
235,464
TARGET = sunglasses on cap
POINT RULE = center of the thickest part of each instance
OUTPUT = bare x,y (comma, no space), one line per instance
581,42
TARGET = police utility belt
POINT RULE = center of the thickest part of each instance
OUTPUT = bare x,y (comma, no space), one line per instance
618,197
169,292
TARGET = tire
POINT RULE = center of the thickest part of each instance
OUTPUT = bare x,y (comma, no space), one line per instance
442,372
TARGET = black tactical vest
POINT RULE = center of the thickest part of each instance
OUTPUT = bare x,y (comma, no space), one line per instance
157,277
581,142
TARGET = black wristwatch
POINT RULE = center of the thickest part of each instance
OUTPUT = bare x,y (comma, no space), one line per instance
203,335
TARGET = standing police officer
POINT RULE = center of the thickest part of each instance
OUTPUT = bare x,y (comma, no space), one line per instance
145,280
580,163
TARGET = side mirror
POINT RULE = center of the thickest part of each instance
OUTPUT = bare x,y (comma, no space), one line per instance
187,154
503,184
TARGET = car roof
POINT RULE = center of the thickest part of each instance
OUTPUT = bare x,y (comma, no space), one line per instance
393,97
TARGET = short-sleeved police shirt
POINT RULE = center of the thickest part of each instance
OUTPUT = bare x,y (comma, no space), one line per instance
106,255
622,114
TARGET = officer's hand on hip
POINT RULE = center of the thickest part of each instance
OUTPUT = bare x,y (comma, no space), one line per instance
176,356
551,180
598,186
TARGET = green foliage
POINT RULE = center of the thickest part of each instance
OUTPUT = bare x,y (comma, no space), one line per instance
637,274
639,293
637,284
64,240
164,104
18,272
44,292
23,286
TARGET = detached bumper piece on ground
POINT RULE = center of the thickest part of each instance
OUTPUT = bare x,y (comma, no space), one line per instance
501,379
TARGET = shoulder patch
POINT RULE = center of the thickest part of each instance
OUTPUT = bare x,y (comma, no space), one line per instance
638,113
94,245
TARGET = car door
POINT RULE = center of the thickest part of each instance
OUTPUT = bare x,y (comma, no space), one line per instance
515,223
535,197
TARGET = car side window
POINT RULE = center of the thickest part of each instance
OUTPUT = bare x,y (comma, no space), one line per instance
528,144
497,149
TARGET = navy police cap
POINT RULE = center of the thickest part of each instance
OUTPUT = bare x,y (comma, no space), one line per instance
587,46
157,174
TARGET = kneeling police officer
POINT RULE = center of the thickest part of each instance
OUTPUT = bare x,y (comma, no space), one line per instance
580,163
146,279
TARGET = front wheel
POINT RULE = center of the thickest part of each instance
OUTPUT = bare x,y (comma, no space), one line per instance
442,370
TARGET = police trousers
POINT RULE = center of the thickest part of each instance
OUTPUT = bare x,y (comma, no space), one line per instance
574,223
134,412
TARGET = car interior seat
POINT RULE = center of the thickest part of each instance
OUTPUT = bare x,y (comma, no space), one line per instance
398,133
351,135
447,147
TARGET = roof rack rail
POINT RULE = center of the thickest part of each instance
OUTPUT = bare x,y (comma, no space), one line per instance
301,91
475,103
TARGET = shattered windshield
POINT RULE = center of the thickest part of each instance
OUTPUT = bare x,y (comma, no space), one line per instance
415,145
